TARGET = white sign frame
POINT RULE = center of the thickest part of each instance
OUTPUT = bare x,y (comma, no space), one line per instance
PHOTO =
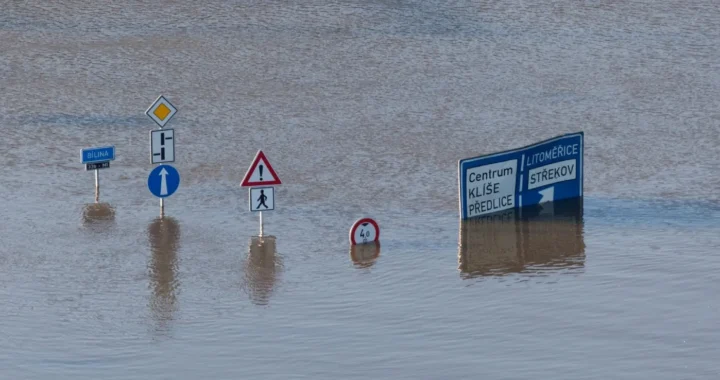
270,197
151,111
154,154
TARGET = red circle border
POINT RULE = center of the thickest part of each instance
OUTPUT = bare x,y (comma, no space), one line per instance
358,223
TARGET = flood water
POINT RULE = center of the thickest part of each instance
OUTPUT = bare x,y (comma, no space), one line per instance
364,109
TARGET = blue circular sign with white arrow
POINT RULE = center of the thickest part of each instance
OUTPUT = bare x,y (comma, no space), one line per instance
163,181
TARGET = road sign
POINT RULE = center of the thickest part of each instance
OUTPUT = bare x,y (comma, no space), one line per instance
101,154
163,181
547,171
161,111
97,165
260,172
162,146
365,230
262,198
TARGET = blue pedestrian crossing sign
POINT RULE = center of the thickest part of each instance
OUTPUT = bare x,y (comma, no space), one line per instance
163,181
547,171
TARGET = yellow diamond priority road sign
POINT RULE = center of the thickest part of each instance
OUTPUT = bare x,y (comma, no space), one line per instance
161,111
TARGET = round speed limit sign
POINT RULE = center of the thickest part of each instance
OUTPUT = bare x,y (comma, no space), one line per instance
363,231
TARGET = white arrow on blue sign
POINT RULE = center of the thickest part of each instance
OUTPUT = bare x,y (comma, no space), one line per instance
101,154
547,171
163,181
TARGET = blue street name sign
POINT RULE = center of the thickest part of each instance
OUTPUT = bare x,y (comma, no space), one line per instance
547,171
163,181
102,154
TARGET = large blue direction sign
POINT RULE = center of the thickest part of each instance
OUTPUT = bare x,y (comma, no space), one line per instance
163,181
543,172
101,154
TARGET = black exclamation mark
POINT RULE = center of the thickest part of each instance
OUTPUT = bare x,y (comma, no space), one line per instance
261,169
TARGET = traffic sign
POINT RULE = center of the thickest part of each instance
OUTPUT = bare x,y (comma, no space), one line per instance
97,165
262,198
547,171
161,111
163,181
364,230
101,154
162,146
260,172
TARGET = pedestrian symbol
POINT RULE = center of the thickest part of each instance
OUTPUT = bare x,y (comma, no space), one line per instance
262,198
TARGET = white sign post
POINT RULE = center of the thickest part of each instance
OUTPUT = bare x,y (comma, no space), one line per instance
97,158
162,141
261,199
260,174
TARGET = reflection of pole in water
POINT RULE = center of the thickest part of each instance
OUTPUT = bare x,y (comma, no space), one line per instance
364,255
489,244
261,268
98,216
164,237
548,237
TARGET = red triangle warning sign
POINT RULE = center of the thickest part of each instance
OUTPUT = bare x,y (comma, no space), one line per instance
260,172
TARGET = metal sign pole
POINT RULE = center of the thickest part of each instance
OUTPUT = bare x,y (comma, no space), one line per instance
161,111
97,185
261,224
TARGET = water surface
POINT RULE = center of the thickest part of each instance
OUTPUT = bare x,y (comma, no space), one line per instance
363,108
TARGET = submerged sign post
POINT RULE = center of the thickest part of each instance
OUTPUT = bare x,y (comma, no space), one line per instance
97,158
259,176
164,179
547,171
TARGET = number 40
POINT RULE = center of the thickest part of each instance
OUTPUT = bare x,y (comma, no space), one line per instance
365,235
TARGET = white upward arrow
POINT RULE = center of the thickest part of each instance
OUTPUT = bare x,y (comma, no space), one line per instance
548,195
163,184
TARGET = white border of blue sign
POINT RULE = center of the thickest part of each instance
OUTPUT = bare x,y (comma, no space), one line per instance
82,154
469,163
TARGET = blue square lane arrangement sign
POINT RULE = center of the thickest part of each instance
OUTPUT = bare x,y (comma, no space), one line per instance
547,171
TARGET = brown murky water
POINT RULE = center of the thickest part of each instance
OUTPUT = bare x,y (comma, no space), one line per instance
363,108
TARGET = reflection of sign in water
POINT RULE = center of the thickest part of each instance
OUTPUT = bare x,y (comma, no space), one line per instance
545,237
544,172
261,269
164,239
363,231
364,255
98,216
